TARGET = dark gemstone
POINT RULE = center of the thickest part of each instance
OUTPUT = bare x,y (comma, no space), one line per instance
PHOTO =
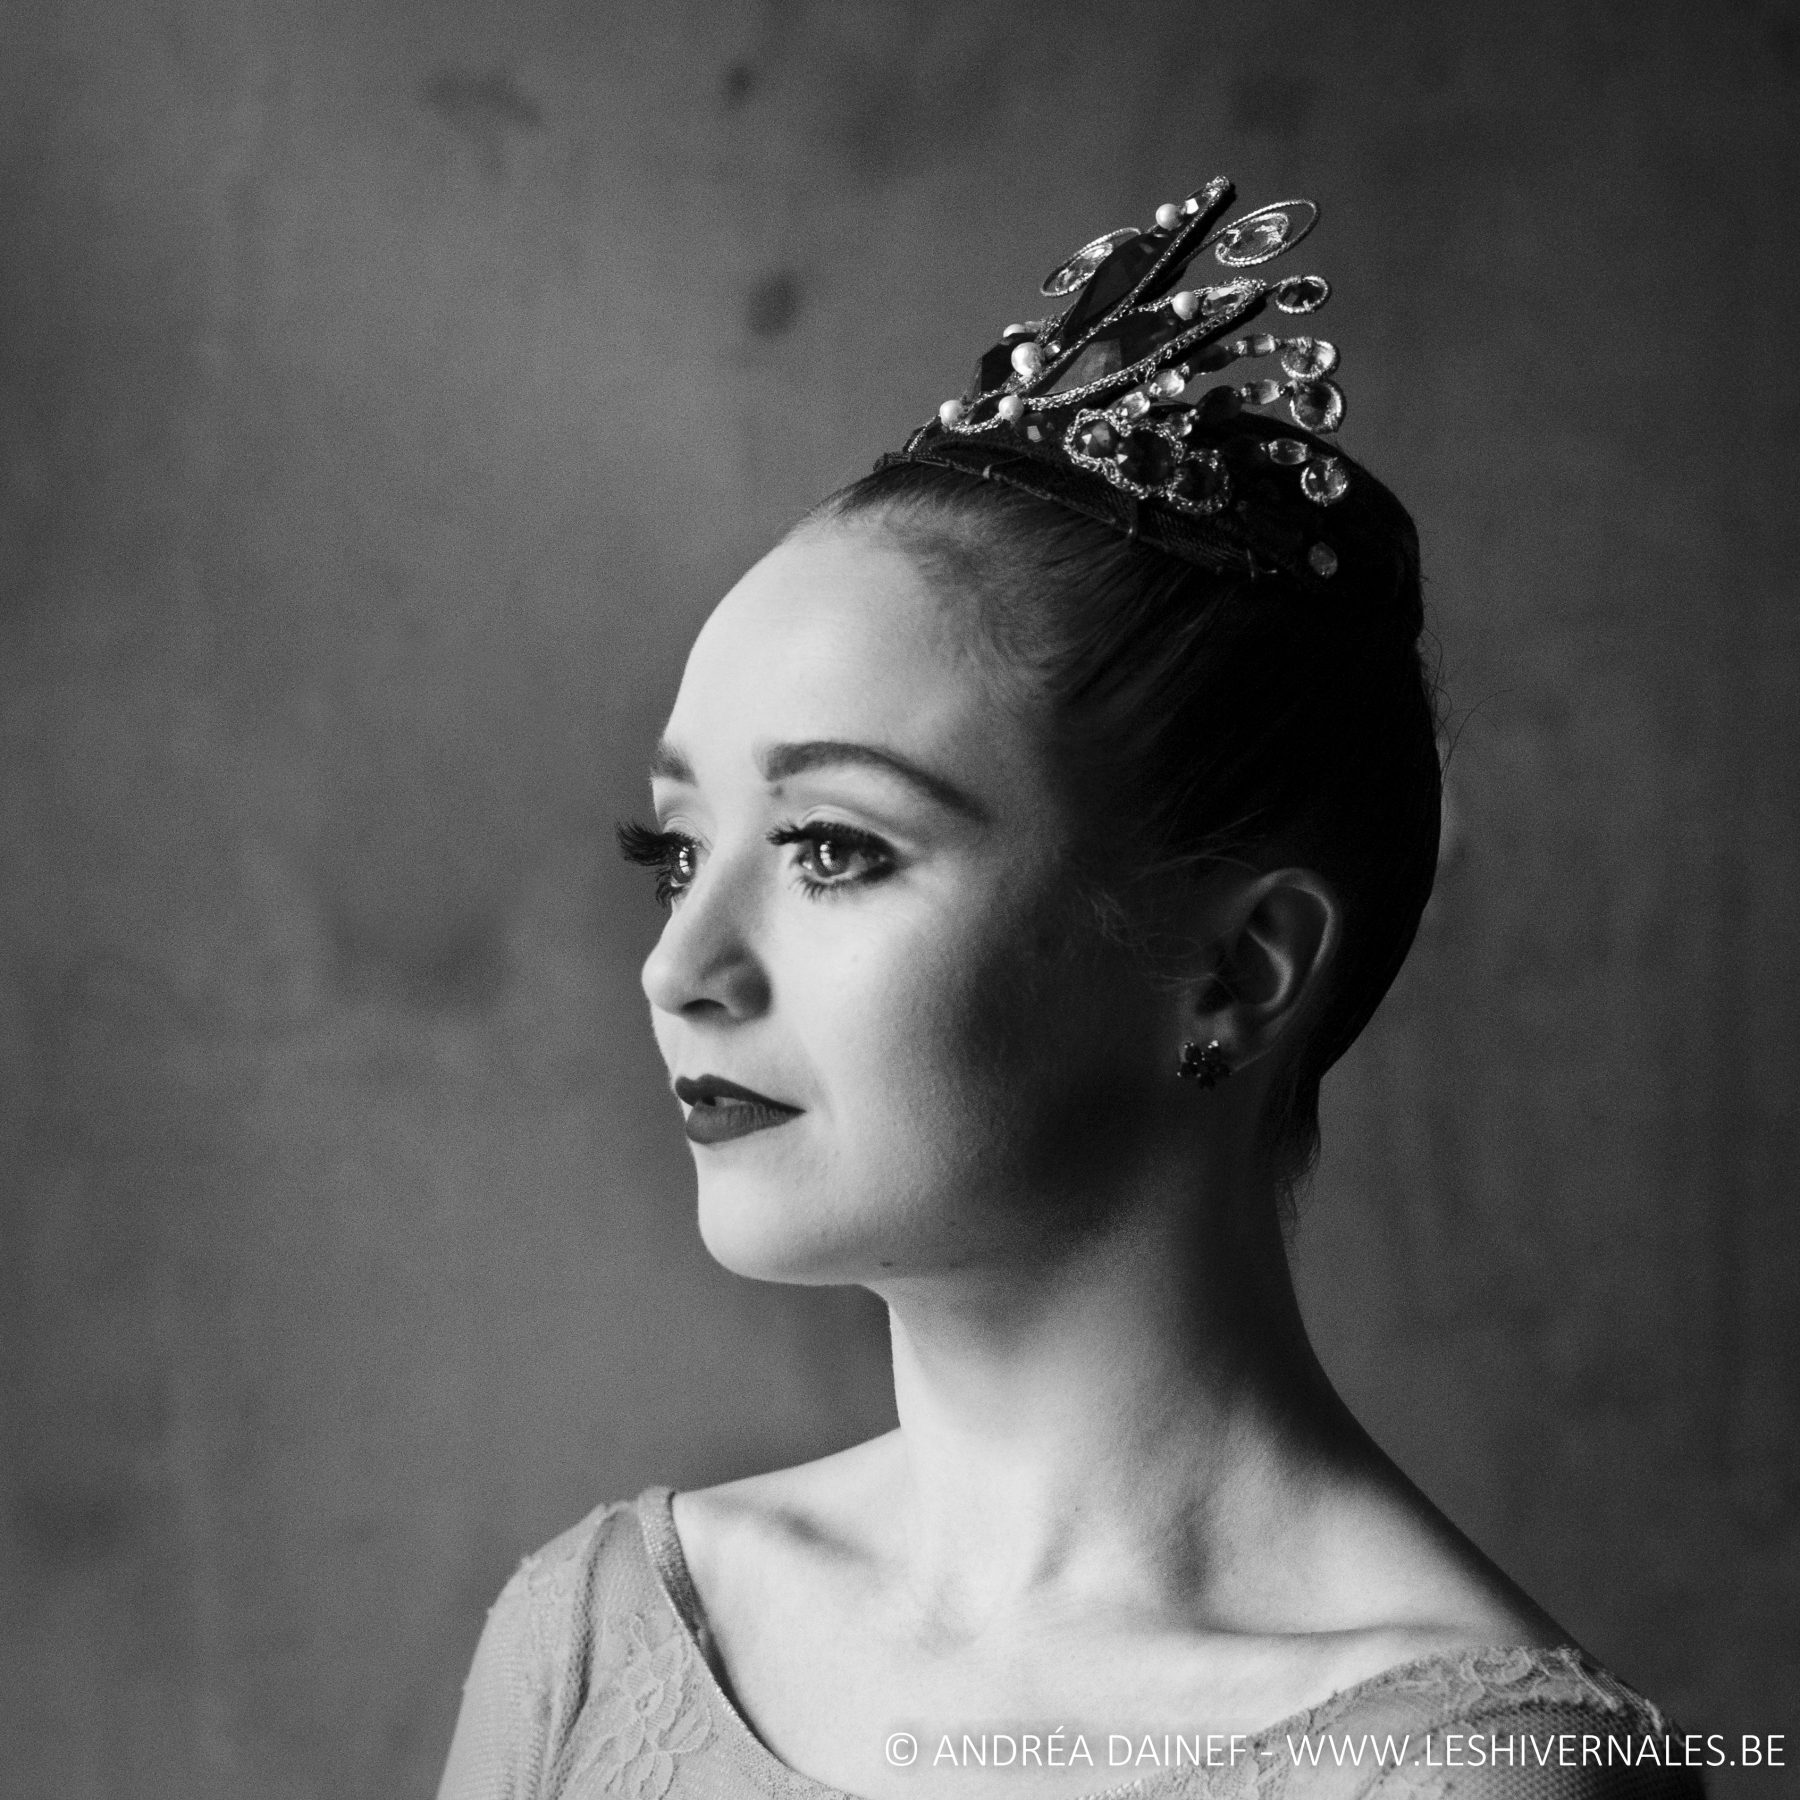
1126,341
994,368
1221,403
1199,212
1203,482
1147,459
1213,357
1205,204
1112,282
1097,438
1100,358
1140,333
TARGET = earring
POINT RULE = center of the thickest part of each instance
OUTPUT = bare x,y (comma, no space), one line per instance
1206,1066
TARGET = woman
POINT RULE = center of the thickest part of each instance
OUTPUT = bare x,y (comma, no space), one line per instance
1038,821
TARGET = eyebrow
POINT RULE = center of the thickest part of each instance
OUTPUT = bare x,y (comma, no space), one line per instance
780,761
668,764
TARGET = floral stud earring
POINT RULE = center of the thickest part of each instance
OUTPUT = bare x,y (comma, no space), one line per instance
1206,1065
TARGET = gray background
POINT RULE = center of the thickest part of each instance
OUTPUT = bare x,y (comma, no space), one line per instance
388,391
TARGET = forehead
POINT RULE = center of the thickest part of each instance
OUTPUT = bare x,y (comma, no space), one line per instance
836,634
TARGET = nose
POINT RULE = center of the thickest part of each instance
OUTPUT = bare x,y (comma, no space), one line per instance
705,964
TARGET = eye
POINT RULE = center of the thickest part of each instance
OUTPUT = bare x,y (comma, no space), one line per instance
673,855
835,856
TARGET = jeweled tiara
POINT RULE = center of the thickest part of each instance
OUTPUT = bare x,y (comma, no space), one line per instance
1119,407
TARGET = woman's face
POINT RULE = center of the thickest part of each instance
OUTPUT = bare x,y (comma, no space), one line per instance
874,934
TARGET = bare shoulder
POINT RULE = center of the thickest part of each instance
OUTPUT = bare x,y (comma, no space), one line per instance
827,1511
1388,1556
1371,1577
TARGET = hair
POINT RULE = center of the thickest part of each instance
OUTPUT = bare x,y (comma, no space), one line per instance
1196,718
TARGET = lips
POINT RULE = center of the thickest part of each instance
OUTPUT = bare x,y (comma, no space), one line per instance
720,1109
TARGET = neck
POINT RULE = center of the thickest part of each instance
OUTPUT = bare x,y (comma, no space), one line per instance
1119,1418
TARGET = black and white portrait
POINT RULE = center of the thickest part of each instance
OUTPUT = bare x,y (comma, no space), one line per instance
901,900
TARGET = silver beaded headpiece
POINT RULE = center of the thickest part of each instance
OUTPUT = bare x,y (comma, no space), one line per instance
1121,406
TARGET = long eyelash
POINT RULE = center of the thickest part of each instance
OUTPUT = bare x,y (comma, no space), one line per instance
658,850
849,835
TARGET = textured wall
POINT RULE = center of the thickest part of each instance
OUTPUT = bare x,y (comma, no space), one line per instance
386,391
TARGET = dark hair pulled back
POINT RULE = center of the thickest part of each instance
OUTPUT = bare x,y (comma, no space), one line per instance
1196,717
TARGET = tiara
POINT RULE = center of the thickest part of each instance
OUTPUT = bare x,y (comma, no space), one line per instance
1120,406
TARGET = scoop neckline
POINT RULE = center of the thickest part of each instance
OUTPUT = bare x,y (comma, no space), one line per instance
655,1509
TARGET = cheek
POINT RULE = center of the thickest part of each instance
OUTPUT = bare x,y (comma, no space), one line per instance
1000,1064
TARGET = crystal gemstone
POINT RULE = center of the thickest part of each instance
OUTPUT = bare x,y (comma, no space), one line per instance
1289,452
1325,481
1077,271
1228,297
1306,359
1252,240
1302,293
1317,406
1258,236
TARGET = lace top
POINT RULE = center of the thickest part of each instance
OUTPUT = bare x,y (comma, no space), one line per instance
591,1678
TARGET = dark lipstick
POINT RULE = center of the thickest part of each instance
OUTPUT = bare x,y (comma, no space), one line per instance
720,1109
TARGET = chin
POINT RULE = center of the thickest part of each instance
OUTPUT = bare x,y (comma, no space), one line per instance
772,1230
823,1225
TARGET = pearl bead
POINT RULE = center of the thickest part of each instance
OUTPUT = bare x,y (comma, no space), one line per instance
1012,409
1185,304
1168,216
950,412
1027,358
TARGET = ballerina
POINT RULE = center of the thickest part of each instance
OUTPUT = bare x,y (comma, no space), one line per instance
1037,823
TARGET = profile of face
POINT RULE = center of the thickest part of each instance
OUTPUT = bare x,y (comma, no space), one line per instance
904,1042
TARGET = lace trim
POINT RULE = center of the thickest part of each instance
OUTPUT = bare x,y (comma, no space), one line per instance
647,1709
551,1585
651,1697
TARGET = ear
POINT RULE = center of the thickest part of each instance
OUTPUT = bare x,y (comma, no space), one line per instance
1275,939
